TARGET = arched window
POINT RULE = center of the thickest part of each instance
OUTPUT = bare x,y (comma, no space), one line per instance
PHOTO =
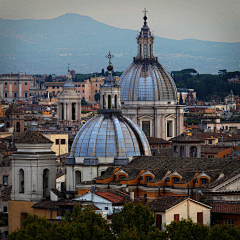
102,172
182,151
103,101
46,187
109,102
176,149
193,151
115,101
18,127
21,181
78,177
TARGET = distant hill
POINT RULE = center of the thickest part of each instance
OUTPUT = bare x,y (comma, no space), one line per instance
47,46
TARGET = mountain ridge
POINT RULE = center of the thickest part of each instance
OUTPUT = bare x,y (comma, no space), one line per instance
48,45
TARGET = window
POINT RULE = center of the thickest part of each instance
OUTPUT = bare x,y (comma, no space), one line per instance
57,87
209,141
176,217
150,50
159,222
25,94
122,177
96,85
15,94
140,50
204,181
145,50
200,217
25,83
53,92
83,91
169,129
89,98
83,85
63,141
5,180
148,179
102,172
230,222
53,87
210,156
146,128
95,91
176,179
6,95
21,181
6,83
78,176
57,141
106,208
5,210
15,84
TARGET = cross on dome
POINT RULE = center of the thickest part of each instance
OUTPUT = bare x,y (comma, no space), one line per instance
109,56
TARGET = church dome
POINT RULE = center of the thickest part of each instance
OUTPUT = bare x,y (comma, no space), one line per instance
110,135
146,79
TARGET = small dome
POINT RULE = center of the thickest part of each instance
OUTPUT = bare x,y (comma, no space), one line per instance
147,80
110,135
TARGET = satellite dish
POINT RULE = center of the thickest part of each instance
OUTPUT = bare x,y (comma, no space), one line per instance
200,193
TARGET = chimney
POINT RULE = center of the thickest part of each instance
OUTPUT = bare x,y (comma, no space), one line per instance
132,195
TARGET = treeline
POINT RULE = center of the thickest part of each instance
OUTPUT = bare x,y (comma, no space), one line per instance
135,222
207,86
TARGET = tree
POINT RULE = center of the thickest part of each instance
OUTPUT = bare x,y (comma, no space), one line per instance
82,224
186,230
134,220
225,232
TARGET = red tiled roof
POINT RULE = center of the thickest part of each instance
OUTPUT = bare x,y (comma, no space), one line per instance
225,207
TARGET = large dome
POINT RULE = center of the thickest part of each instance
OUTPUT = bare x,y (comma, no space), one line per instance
147,80
110,135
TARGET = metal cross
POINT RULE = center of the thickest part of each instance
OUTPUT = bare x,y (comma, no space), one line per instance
145,11
109,56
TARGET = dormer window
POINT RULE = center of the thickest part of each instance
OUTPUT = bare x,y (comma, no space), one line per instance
176,179
204,181
122,178
148,179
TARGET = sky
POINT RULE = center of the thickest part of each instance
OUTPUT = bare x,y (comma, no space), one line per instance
210,20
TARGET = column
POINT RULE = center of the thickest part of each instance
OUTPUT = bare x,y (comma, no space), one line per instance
1,90
70,111
10,89
79,111
20,89
65,111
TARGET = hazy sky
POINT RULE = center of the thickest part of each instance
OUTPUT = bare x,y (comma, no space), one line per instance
213,20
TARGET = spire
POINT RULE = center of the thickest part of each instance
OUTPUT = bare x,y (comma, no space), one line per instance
109,80
110,90
69,83
145,40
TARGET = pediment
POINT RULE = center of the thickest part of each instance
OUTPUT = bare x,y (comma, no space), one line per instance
170,116
145,117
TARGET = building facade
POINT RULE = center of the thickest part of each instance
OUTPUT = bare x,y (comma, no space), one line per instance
16,86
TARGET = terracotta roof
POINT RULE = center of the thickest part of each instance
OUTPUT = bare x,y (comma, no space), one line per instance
186,167
225,207
214,149
33,137
163,203
13,109
6,194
